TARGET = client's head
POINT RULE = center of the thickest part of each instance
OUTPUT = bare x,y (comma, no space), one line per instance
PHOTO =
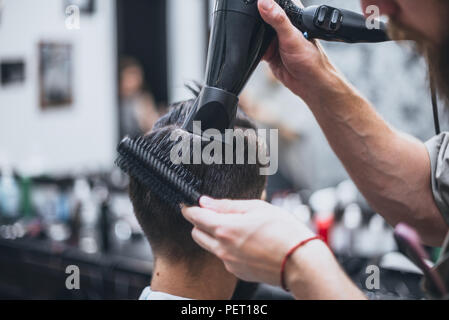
168,232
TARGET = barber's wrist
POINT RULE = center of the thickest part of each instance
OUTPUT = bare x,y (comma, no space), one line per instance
305,265
305,257
325,88
314,273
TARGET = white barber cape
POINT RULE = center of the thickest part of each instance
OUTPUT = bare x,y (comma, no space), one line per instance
148,294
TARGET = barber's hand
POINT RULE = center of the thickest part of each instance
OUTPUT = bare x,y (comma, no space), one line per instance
301,65
250,237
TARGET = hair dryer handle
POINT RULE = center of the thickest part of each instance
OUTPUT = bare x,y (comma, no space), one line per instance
332,24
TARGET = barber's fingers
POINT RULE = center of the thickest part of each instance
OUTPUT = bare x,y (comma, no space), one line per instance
290,38
205,219
229,206
205,241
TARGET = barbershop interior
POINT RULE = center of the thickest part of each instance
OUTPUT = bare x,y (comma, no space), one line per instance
78,76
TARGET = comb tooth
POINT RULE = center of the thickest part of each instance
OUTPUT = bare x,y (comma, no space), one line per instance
143,145
136,147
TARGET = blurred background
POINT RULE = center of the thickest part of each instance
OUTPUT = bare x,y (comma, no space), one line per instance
77,75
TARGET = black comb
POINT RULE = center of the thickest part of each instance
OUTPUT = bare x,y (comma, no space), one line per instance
173,184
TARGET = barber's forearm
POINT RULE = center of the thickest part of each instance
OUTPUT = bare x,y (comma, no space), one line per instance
391,169
312,273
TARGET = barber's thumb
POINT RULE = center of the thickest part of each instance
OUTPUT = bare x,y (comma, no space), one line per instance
210,203
273,14
227,206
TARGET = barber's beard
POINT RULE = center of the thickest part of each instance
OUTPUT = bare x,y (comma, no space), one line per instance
437,55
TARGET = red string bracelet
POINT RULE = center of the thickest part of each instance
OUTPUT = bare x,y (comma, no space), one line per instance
287,256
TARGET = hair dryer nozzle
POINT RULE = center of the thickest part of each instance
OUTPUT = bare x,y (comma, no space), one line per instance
214,109
238,41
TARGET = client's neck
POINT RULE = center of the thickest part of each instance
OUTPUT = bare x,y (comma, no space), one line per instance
212,282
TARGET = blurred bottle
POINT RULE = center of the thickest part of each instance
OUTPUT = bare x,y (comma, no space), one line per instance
324,203
88,216
63,206
344,235
45,202
9,194
346,193
25,187
100,194
375,239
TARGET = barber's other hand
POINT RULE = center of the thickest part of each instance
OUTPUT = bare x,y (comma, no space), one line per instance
250,237
298,63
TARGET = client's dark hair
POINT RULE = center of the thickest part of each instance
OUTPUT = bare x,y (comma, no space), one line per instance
168,232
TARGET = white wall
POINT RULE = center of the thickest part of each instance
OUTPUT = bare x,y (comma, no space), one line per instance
82,136
186,45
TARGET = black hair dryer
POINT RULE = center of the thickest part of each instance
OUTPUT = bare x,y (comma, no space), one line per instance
240,38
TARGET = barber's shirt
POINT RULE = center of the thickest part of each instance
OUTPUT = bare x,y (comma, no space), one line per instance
438,148
148,294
